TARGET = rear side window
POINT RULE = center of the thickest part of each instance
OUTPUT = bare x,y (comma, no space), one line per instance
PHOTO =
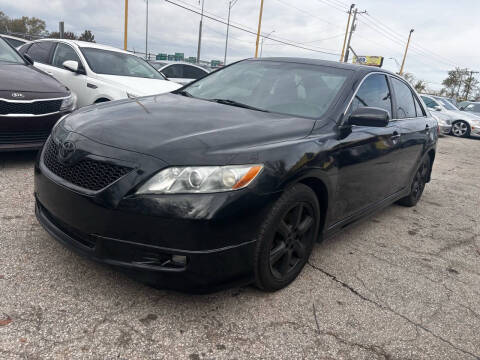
173,71
192,72
63,53
40,51
374,92
14,42
418,107
405,104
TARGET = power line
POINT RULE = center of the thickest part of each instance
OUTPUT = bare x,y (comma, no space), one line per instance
289,43
307,13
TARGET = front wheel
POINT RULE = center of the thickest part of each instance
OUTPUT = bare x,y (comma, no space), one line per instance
286,238
417,186
461,129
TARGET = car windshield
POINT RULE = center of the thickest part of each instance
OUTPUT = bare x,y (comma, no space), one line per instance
448,105
281,87
8,55
116,63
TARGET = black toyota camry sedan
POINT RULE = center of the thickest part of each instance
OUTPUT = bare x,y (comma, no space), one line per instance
31,102
232,179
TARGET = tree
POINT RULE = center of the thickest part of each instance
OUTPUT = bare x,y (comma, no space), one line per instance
87,36
470,85
66,35
25,25
420,86
3,22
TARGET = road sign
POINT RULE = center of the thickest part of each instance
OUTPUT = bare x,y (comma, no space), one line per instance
368,60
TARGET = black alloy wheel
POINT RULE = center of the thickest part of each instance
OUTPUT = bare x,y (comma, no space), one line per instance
418,185
287,238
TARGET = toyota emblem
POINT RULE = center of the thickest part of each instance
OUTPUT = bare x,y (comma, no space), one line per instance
67,148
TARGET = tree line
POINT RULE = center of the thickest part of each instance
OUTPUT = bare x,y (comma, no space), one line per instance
32,28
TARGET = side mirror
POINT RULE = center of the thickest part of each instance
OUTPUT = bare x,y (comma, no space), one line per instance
437,108
71,65
28,59
369,116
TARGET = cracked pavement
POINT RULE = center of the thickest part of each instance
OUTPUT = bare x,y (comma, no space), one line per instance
403,284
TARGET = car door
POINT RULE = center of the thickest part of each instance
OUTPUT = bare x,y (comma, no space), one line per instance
367,156
41,53
75,81
415,129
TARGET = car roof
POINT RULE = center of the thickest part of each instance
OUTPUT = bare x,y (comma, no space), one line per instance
85,44
14,37
336,64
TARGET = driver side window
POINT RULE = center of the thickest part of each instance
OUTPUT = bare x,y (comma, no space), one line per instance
63,53
374,92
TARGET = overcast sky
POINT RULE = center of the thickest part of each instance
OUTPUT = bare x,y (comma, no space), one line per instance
446,32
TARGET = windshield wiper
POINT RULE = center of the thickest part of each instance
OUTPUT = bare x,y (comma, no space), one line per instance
238,104
184,93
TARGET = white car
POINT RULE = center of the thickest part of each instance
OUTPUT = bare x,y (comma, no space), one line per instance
180,72
96,73
463,124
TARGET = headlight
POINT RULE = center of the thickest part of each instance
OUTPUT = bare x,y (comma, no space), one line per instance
201,179
68,103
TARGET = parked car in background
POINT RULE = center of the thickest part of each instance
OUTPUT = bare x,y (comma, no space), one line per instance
463,123
233,178
16,42
179,72
444,123
31,102
471,107
96,73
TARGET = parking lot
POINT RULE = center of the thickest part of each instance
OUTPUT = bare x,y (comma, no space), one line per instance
403,284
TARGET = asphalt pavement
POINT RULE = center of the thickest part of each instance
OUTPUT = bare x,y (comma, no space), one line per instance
403,284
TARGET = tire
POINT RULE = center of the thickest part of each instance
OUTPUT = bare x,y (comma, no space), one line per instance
286,238
460,129
418,185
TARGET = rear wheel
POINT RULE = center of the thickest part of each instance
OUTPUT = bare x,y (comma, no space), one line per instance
461,129
286,238
418,185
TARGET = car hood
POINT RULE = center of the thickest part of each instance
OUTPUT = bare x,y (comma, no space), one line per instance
140,86
181,130
23,78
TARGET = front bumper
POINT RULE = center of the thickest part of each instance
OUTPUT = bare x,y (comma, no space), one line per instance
26,133
444,129
215,232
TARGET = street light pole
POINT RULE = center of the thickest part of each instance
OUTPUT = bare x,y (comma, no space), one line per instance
200,34
230,6
406,50
259,28
263,40
146,35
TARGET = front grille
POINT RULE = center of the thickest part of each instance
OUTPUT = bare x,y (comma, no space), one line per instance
23,137
35,108
87,173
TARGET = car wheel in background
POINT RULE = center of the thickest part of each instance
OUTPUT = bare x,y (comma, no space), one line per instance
460,129
286,238
418,185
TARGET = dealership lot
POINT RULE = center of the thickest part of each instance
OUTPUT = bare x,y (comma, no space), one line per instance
403,284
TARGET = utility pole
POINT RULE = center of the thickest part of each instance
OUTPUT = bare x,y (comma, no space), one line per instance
263,40
259,28
352,30
126,26
230,6
61,29
346,31
146,35
200,34
406,50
